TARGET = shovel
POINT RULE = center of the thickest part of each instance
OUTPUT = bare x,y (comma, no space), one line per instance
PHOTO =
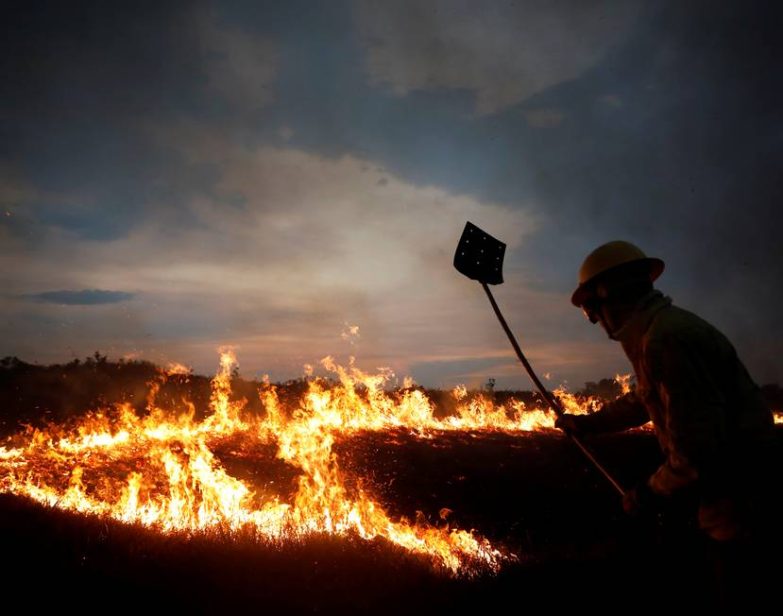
479,256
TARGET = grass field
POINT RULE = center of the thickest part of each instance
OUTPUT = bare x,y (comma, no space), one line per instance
532,494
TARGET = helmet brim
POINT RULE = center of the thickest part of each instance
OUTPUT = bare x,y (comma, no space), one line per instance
583,291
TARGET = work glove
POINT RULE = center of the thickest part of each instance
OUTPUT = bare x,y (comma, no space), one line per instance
641,501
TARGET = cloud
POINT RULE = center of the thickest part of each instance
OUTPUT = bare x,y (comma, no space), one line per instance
503,53
85,297
84,82
285,133
240,67
134,162
664,141
286,248
544,117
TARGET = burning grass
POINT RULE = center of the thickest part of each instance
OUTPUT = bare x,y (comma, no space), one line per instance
331,495
520,491
160,470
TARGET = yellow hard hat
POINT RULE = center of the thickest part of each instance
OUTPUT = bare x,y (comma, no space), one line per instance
607,257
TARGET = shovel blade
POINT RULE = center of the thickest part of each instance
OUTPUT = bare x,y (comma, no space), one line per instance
479,256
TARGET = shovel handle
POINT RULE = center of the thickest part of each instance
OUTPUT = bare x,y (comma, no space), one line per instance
553,402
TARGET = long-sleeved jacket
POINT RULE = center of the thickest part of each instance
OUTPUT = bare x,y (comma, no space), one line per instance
707,411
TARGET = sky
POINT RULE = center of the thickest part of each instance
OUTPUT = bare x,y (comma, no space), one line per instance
180,176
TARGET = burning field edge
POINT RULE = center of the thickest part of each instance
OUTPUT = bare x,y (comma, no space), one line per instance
345,470
160,470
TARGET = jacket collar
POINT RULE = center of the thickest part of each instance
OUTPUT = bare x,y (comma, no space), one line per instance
631,332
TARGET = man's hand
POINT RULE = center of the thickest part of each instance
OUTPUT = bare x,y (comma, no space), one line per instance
641,501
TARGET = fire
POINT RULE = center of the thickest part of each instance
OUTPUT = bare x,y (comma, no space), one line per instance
177,368
624,381
161,471
778,415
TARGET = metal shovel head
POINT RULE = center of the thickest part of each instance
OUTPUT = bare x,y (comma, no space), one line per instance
480,256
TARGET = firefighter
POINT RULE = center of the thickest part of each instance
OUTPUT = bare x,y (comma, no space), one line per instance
713,427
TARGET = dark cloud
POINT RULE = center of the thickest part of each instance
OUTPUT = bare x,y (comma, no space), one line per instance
85,297
673,140
85,87
686,161
411,45
77,78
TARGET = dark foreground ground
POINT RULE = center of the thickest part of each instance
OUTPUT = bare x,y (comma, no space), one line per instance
533,494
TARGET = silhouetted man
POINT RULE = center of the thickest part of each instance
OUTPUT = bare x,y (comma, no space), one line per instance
714,429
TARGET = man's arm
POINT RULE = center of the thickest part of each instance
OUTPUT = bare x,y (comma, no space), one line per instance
621,414
694,411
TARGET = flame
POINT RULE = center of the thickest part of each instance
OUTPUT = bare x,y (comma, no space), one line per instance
778,416
624,381
177,368
160,470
